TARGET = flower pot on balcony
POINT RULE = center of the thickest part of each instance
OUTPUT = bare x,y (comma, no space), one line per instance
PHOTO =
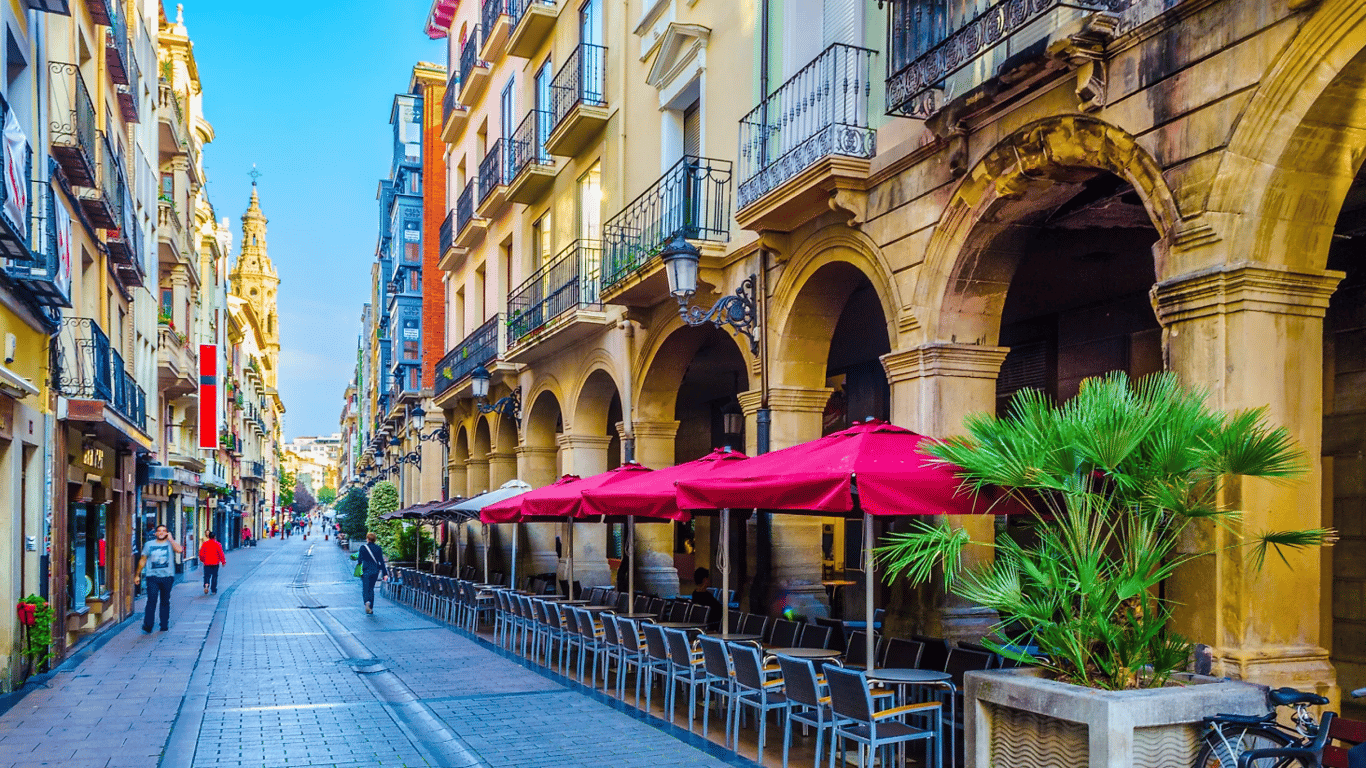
1016,718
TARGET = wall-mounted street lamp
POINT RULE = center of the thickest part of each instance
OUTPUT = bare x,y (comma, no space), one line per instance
509,407
737,311
441,434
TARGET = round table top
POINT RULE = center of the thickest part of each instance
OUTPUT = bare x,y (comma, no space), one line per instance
599,608
901,675
637,615
734,637
839,583
803,653
680,624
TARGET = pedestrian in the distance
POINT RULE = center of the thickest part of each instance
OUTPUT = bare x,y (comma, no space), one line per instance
371,559
158,565
246,536
211,555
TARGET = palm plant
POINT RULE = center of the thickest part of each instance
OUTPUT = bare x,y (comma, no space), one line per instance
1113,479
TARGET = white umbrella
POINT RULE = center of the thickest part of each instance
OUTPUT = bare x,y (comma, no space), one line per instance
475,504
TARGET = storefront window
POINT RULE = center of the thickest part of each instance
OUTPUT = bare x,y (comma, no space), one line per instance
87,557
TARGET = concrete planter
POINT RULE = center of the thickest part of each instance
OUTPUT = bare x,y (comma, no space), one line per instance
1015,718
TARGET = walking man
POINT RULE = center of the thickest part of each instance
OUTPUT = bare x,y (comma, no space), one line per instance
158,565
371,558
211,555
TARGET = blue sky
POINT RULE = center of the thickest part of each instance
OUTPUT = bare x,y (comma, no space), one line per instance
303,90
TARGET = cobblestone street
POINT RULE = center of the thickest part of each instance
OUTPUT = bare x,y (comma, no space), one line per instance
283,668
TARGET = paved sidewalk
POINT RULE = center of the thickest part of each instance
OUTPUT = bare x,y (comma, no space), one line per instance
289,671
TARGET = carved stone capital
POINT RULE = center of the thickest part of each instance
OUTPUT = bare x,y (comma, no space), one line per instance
1232,288
530,451
595,442
960,361
662,430
787,400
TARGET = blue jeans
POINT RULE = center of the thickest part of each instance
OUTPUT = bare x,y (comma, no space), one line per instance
211,578
367,586
158,593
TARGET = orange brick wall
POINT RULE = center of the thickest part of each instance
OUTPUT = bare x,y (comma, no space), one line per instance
433,214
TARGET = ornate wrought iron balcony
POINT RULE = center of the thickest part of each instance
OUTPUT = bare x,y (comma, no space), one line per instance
473,70
820,111
567,282
493,169
692,199
18,231
103,200
116,47
930,60
532,21
88,368
73,123
532,170
577,98
445,236
477,350
47,276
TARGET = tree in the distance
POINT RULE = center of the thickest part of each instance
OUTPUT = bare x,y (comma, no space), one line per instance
327,495
383,500
351,514
303,499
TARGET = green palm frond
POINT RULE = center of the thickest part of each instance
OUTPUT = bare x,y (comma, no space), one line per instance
1279,541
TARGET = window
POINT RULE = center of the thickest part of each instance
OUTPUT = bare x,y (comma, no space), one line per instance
166,298
507,109
414,281
540,241
590,203
168,186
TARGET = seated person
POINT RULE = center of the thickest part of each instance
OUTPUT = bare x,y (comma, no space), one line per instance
700,595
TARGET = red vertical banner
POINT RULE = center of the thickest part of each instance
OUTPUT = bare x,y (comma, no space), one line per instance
208,396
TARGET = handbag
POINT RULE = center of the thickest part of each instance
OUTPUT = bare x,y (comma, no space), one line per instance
359,570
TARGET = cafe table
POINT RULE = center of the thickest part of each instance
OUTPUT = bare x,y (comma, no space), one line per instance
637,616
734,637
680,624
903,678
803,653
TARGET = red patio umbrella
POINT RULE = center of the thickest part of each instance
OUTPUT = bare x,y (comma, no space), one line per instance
653,495
871,468
561,500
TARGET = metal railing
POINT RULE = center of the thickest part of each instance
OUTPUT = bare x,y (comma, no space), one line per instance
692,199
105,199
464,207
116,47
581,80
820,111
47,277
490,11
493,168
72,123
451,99
517,8
568,281
89,368
19,233
469,55
254,469
477,350
446,235
528,142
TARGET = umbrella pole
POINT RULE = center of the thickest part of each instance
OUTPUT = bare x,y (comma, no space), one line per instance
871,581
486,553
459,545
630,554
723,565
569,572
512,582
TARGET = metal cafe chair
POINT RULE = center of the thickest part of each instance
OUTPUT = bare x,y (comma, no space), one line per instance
900,653
591,642
784,634
809,707
753,691
636,653
657,651
814,636
720,680
685,668
856,656
859,722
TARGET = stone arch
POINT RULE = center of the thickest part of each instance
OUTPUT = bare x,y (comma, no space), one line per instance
460,449
542,413
1299,144
483,438
663,364
963,281
813,290
595,392
505,438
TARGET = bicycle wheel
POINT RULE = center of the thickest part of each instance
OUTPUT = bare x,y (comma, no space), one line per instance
1217,752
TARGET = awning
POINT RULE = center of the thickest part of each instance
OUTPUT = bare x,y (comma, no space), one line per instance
654,495
561,500
439,18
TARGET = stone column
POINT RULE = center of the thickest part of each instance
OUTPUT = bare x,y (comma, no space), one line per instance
934,387
654,550
459,479
585,456
537,467
502,468
794,578
476,475
1252,336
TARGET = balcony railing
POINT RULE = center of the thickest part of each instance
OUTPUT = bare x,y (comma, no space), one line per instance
517,11
819,112
490,11
90,369
446,235
451,99
116,47
18,232
528,142
581,80
72,123
128,94
493,169
929,60
567,282
47,277
476,351
469,55
464,207
692,199
103,201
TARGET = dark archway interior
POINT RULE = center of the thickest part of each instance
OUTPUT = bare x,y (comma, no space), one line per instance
1078,301
1344,438
854,366
711,382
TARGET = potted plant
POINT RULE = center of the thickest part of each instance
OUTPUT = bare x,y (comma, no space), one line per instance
1115,479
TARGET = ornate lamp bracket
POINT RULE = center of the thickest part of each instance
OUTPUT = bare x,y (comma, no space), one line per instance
509,407
737,311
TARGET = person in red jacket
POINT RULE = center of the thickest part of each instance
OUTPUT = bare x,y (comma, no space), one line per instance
211,556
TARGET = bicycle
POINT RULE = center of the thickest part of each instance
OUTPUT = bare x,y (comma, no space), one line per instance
1260,741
